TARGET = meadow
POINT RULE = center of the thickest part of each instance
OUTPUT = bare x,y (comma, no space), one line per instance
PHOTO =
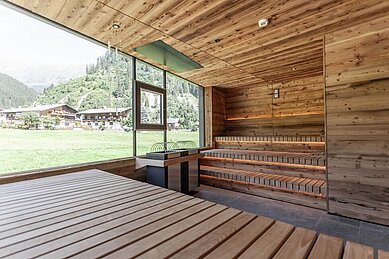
33,149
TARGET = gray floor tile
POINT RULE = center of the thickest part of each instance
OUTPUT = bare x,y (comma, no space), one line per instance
216,195
374,235
243,205
350,229
338,226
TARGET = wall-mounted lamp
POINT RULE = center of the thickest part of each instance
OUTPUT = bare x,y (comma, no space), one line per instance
276,93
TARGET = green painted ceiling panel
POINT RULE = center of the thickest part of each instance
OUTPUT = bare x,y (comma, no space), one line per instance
166,55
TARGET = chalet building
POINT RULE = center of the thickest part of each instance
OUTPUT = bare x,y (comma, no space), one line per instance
109,118
65,113
173,123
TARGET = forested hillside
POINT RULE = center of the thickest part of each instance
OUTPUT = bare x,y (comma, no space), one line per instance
104,85
108,83
14,93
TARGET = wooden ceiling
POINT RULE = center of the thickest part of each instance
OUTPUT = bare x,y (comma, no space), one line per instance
222,35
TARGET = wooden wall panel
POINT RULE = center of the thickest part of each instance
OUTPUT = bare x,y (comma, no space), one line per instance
218,112
250,127
214,114
249,111
299,110
357,97
208,133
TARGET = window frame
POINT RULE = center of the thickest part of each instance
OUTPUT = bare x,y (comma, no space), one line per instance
139,126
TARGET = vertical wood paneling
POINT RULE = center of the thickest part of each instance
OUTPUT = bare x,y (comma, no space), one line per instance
214,114
357,96
208,117
218,112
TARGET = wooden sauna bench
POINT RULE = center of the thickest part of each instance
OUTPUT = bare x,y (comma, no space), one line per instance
94,214
289,158
287,168
300,144
308,186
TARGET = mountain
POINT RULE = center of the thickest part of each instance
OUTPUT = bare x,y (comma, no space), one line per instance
108,83
14,93
42,76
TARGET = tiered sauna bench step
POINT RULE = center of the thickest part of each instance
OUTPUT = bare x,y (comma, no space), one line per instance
288,168
269,167
272,138
308,186
273,143
315,158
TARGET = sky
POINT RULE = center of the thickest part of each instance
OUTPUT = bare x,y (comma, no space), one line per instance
25,41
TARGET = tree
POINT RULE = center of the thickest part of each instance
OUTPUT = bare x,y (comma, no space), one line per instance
127,123
31,120
50,123
147,102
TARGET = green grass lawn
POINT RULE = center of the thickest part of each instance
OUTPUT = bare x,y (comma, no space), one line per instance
32,149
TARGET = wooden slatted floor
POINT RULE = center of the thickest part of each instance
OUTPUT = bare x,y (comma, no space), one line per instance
96,214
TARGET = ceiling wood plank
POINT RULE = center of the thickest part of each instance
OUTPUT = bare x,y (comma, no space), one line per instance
221,35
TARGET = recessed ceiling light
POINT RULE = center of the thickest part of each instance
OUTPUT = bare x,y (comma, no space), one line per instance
115,26
294,69
263,23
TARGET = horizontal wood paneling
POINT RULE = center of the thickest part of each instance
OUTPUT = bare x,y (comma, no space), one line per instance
300,108
366,59
357,94
252,111
249,102
249,127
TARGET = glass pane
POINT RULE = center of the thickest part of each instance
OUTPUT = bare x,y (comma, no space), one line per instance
182,111
149,74
65,100
146,139
151,107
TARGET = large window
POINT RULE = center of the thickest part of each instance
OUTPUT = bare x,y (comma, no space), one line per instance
149,74
63,100
183,111
147,141
66,100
